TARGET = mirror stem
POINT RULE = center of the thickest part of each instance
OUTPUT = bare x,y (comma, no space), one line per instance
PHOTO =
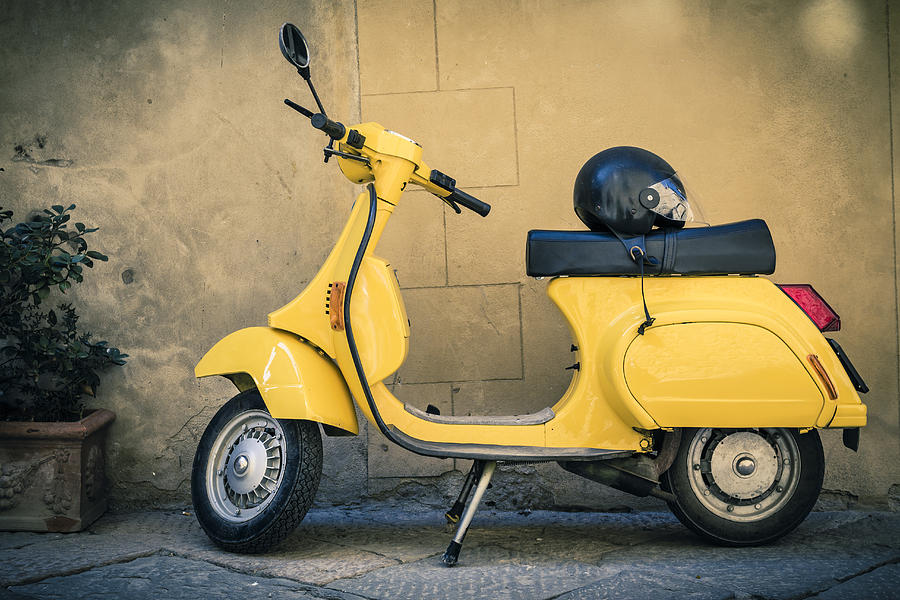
315,95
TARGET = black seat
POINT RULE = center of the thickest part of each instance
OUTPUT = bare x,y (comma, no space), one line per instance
743,248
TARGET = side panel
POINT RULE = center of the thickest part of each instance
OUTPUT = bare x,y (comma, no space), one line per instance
720,374
295,381
720,345
380,325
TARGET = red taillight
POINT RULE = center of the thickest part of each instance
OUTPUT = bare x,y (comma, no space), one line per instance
813,305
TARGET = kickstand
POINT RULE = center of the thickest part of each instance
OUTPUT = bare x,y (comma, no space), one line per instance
453,514
452,554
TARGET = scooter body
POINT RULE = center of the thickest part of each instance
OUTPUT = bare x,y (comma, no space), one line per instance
724,351
712,404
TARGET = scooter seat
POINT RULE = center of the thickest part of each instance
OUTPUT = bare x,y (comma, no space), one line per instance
743,248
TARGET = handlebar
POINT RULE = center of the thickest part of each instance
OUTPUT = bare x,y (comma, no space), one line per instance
471,202
457,196
333,129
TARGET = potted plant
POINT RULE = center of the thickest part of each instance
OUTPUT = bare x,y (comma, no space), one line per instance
51,448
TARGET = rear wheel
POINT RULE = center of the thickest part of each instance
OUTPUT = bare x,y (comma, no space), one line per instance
254,476
743,487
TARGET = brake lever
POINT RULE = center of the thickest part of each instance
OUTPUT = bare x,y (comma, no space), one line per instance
330,151
451,204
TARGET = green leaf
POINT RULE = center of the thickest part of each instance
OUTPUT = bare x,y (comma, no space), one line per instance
64,285
97,255
43,292
80,227
58,208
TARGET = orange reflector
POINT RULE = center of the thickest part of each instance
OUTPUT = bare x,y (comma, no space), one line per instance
336,305
820,370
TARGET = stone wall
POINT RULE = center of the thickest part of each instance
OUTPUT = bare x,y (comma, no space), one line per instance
164,123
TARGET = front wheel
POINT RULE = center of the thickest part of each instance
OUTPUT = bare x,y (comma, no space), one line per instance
743,487
254,476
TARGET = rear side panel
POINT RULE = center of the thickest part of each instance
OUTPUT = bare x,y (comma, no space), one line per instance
723,351
722,374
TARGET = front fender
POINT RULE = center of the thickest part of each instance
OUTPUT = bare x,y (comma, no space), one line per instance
294,380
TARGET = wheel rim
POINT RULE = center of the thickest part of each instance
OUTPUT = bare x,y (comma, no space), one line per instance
743,475
246,466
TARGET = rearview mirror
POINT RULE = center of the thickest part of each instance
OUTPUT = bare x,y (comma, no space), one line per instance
294,47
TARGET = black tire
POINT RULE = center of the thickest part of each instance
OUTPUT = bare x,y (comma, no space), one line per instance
249,505
725,489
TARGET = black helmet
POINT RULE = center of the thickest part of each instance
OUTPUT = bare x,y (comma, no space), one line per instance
629,190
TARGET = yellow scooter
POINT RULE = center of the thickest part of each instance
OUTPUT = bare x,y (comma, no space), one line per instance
713,403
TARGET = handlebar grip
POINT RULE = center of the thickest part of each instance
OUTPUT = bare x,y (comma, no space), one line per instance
334,129
470,202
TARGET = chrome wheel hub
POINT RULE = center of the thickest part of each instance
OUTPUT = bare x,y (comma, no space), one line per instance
240,465
744,466
246,465
743,475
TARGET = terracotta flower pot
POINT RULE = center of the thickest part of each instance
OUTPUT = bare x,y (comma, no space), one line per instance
52,475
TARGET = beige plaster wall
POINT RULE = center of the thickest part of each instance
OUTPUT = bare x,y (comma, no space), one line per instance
772,110
214,196
205,186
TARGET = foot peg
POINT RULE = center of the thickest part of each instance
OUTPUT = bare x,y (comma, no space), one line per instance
485,470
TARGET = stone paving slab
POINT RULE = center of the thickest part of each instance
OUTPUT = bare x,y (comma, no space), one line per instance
169,577
625,584
785,572
69,554
881,584
19,539
488,572
301,559
392,550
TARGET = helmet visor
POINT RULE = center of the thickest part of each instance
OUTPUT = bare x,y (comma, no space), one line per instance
673,203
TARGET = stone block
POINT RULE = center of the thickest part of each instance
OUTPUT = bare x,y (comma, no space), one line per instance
468,134
547,340
468,333
344,468
396,46
413,241
511,397
489,249
387,459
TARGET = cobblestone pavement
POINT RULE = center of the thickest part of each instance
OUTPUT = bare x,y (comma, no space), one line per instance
392,551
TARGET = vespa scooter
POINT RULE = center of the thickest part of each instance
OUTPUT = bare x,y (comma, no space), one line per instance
712,404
